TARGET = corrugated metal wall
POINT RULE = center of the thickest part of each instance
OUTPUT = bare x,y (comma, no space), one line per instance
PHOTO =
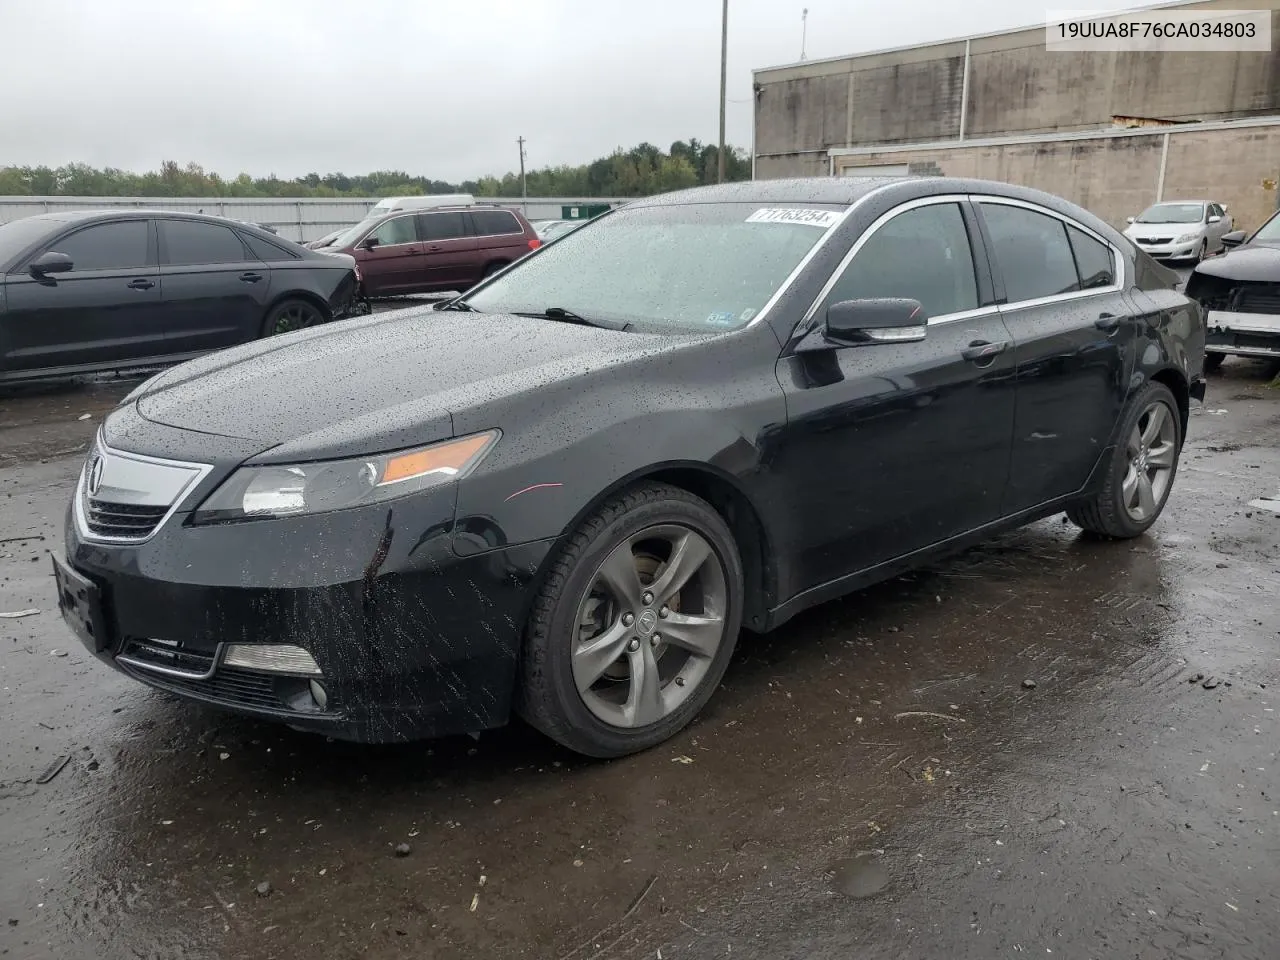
295,219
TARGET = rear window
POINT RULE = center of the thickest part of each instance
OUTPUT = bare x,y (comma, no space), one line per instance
266,250
493,222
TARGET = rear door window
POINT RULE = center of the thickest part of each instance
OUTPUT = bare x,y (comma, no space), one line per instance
922,254
490,223
1032,252
1094,260
195,243
107,246
442,226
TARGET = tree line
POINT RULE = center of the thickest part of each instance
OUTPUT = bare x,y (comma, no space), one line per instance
640,171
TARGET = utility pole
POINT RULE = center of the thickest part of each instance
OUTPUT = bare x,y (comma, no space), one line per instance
524,190
724,60
804,29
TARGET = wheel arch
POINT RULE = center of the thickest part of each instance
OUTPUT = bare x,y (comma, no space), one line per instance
298,294
1174,379
735,507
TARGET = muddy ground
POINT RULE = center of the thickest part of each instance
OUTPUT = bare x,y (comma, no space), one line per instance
1048,745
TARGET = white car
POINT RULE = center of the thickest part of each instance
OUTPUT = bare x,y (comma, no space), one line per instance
1181,229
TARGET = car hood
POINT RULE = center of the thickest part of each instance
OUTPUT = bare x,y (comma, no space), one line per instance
377,383
1256,261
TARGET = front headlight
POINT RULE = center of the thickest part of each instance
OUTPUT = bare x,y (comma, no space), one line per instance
306,488
1186,238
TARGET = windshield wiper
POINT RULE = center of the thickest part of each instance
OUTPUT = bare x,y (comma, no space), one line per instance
568,316
457,304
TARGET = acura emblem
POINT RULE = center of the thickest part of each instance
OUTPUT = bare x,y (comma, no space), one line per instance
95,474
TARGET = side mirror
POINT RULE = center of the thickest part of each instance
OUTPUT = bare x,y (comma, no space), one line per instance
876,321
1130,219
370,242
1215,219
1234,238
50,262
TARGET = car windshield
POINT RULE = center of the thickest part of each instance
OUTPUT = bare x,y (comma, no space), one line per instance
687,267
17,235
1173,213
1269,232
348,237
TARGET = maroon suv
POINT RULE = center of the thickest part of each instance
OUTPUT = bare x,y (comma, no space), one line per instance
441,248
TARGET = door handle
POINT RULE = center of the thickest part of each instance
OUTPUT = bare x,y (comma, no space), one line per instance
250,277
141,284
982,350
1108,322
433,246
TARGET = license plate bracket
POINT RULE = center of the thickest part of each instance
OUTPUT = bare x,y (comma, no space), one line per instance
80,603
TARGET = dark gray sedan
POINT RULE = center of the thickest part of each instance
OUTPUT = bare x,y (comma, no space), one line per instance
92,291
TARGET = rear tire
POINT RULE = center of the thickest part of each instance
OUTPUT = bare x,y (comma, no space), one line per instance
1213,361
624,645
493,268
289,315
1140,470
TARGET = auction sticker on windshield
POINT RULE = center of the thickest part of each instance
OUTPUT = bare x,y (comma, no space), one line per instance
813,218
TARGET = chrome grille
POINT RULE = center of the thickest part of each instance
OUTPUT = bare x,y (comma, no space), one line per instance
1156,241
125,497
166,656
228,685
122,520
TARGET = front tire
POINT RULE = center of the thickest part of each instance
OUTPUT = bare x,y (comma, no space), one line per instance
1140,471
635,624
1213,361
289,315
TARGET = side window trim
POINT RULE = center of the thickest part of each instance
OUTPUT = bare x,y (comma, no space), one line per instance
1117,260
975,243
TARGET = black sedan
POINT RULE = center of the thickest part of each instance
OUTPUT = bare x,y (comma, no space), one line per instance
94,291
1240,293
564,494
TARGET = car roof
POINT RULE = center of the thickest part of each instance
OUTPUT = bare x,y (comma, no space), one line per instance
117,213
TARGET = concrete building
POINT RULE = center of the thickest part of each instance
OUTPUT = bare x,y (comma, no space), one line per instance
1112,131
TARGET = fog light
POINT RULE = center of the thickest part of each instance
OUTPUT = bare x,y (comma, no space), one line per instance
318,695
271,658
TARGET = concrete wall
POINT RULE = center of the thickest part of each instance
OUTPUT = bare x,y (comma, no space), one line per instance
1015,86
1117,177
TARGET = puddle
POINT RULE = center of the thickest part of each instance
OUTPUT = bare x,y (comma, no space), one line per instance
860,876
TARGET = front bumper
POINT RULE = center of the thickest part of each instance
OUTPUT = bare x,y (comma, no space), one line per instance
1243,334
1170,251
412,640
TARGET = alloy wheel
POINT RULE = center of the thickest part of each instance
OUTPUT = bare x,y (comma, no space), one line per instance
1152,452
649,626
294,317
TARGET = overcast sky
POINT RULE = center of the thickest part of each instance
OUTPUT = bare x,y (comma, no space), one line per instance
439,88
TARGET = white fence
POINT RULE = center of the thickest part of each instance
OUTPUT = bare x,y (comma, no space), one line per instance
296,219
